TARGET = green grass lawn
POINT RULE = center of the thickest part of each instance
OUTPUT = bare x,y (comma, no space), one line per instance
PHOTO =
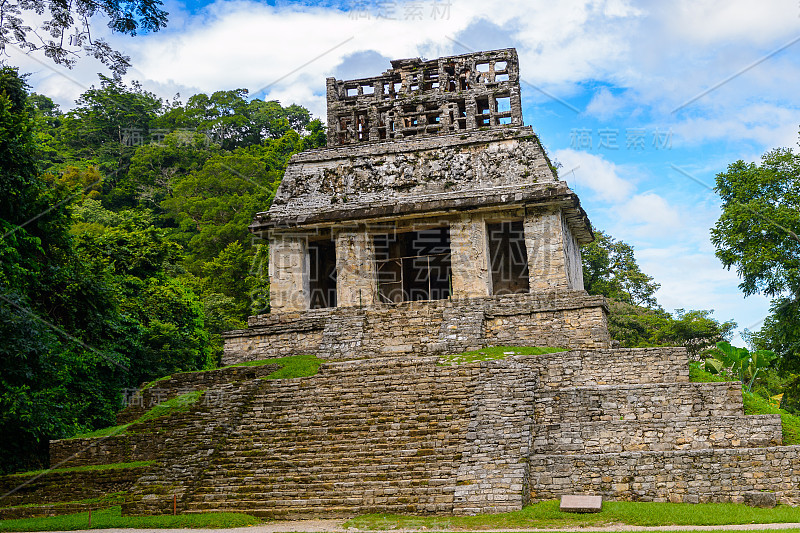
112,518
493,353
546,515
297,366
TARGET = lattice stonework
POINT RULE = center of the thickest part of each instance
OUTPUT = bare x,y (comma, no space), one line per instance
419,97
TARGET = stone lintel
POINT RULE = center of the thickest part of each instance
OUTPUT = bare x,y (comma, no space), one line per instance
532,196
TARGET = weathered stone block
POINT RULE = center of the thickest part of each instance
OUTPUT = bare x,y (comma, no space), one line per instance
580,503
760,499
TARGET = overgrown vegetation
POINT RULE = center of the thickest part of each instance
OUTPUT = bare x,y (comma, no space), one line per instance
124,249
635,319
179,404
493,353
755,403
109,500
546,515
112,519
87,468
297,366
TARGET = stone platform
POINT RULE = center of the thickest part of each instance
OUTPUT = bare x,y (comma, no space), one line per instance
413,435
570,319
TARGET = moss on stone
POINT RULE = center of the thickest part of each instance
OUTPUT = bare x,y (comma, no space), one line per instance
494,353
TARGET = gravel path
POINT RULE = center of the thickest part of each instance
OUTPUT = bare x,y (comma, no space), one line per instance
335,526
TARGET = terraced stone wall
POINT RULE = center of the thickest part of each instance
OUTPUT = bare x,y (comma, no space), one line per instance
66,486
100,451
659,435
639,402
570,319
391,435
583,368
140,401
692,476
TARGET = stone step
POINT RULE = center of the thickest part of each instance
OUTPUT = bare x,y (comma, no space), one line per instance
317,481
309,509
658,435
692,476
638,402
581,368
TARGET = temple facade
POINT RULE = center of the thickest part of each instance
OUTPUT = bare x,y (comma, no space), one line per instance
430,196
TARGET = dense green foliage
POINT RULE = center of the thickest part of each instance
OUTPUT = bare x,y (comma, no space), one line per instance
741,362
757,233
610,269
762,399
635,318
124,249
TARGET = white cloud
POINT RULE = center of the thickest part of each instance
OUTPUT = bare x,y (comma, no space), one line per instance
766,124
584,170
604,104
709,21
692,279
650,215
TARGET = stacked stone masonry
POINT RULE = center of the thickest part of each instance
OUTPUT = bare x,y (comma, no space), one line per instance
124,448
655,438
407,434
418,97
565,318
401,434
433,223
152,394
57,486
658,435
691,476
639,402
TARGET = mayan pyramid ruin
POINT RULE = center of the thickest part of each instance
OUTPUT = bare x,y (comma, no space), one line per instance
432,224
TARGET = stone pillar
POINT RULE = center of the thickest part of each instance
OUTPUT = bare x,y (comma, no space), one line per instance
469,258
572,253
356,280
288,274
544,239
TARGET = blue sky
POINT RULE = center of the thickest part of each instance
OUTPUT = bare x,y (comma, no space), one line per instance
642,103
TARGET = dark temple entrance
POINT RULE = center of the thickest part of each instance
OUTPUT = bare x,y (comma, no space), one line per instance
509,258
414,265
322,273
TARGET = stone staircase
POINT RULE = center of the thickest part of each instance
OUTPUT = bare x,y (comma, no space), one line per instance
658,438
411,435
356,438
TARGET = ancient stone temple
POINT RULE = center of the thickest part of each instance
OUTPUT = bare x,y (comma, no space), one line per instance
433,223
432,204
